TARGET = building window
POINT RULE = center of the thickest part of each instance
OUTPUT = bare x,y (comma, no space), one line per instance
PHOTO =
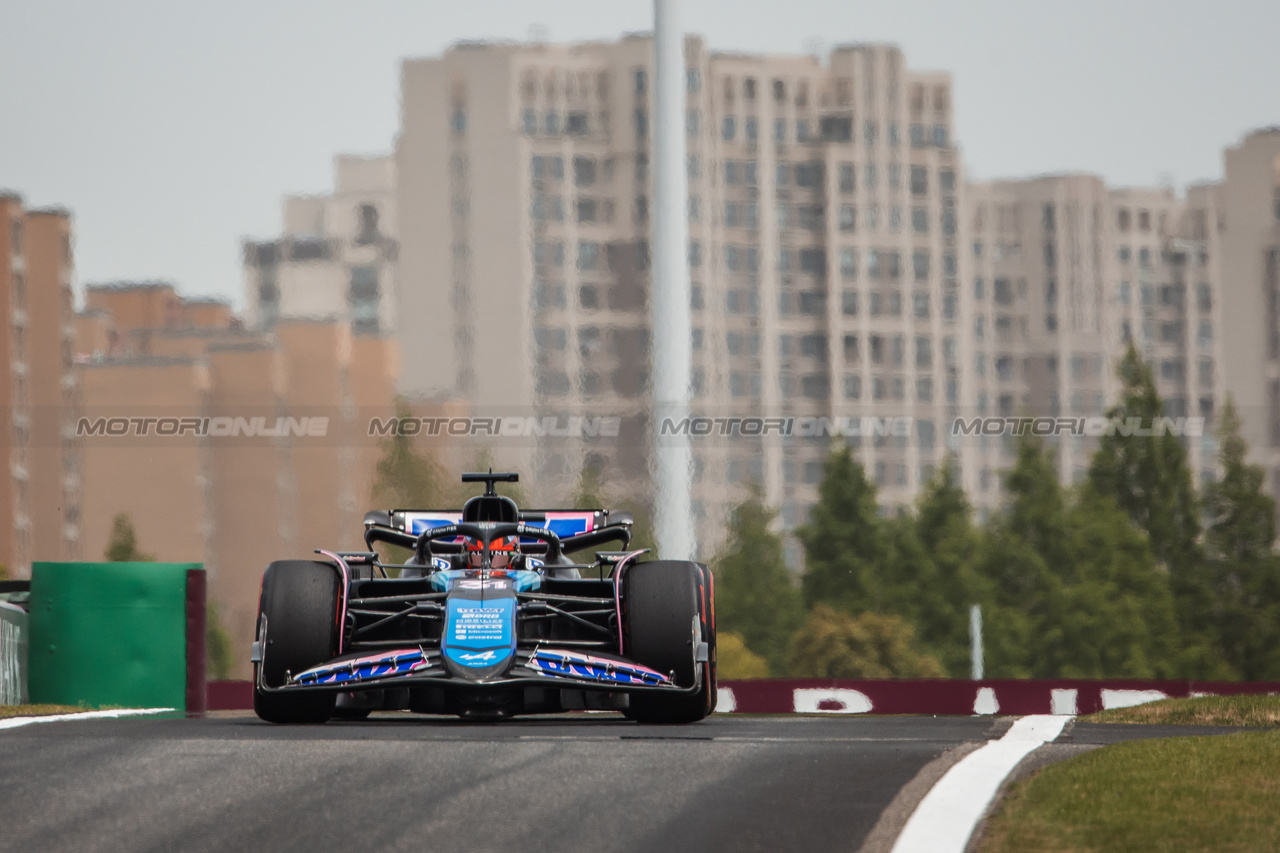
920,220
849,303
917,136
920,265
919,180
641,79
693,80
530,121
1204,335
847,182
459,122
728,128
924,352
920,305
809,174
1204,297
367,215
779,131
849,263
851,352
940,136
852,386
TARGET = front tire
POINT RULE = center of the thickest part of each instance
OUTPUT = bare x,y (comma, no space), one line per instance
298,608
668,614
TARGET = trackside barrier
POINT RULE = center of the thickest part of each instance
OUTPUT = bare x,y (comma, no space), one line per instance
959,696
908,696
13,654
124,634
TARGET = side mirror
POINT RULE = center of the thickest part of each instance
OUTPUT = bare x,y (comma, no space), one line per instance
377,516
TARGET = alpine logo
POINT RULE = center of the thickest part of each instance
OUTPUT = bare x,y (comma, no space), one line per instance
489,655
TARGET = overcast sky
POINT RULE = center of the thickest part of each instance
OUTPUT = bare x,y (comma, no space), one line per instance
171,129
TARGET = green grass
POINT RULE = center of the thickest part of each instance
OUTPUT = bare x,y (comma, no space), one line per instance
1243,710
1215,793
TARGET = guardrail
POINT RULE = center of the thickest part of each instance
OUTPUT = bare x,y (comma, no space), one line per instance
13,654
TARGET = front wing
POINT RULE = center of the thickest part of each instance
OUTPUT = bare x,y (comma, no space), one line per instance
538,667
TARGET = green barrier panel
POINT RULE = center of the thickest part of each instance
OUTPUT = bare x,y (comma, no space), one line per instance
109,634
13,654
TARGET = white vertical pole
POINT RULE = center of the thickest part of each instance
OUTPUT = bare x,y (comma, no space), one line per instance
975,641
669,296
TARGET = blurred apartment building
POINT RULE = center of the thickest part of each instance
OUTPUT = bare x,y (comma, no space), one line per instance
336,256
842,268
825,250
234,502
40,499
1250,239
1065,273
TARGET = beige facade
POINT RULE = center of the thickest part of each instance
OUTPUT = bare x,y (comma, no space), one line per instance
842,268
234,502
1250,240
41,504
825,223
335,259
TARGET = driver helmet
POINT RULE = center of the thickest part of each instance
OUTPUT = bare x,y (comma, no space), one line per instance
503,552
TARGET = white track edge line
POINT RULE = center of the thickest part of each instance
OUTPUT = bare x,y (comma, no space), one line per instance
15,722
949,813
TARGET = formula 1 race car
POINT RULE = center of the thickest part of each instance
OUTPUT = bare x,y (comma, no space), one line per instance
489,617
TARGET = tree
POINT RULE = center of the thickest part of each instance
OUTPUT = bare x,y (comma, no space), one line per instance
871,645
844,542
735,661
1117,617
950,541
217,645
1019,569
1072,588
405,478
1150,480
755,597
588,492
123,544
1244,573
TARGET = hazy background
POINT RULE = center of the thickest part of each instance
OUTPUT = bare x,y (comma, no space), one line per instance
172,129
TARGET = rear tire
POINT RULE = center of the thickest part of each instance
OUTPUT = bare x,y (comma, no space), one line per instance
668,606
300,603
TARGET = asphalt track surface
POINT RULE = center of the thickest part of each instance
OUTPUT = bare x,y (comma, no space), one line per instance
400,782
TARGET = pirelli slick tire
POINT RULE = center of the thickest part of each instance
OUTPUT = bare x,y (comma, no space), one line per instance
669,621
297,624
